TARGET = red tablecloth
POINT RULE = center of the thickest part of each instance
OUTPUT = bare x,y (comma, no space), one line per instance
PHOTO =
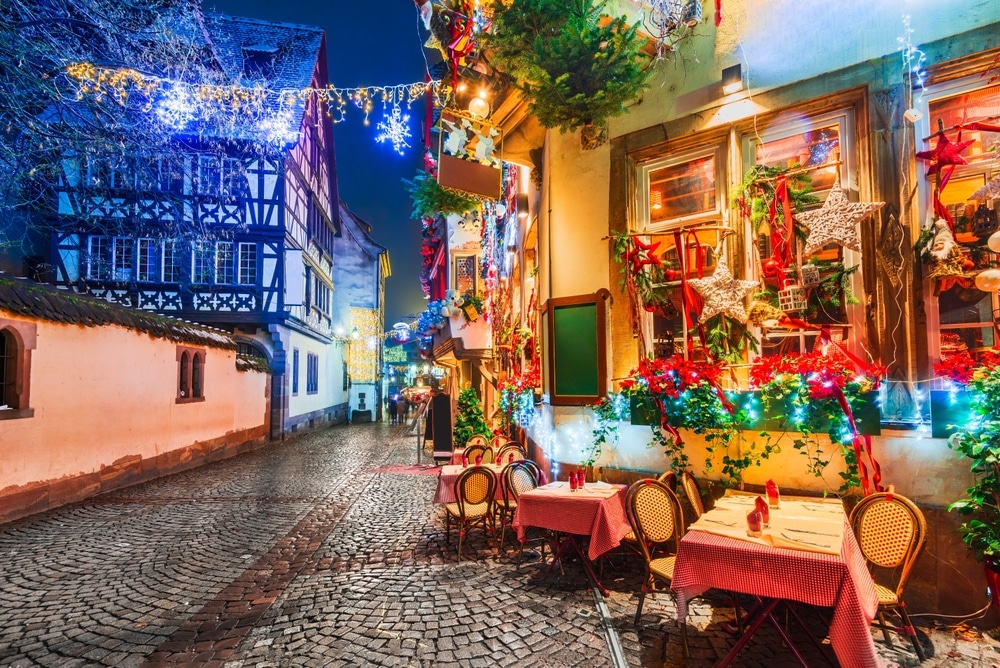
598,513
449,475
706,561
456,458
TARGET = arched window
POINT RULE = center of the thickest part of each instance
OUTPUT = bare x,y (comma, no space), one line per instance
184,385
17,340
197,369
8,369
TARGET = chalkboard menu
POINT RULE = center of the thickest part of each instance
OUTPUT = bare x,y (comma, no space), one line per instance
575,340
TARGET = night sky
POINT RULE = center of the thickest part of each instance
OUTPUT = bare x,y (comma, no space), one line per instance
371,43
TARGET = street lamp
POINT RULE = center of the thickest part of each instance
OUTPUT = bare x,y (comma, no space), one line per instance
354,334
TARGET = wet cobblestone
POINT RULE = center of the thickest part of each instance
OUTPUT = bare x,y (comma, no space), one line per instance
301,555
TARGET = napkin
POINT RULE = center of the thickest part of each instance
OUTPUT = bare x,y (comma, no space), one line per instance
761,507
772,492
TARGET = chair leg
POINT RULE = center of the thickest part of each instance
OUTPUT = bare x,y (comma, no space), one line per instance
447,527
910,631
884,627
461,536
739,615
638,609
684,639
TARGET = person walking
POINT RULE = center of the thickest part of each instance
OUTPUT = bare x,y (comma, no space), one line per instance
393,411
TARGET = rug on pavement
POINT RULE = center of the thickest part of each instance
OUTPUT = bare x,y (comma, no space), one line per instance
408,469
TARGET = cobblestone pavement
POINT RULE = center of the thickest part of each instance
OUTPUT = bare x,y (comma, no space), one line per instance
301,554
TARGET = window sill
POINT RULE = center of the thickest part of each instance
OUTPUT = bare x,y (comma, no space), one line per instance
188,400
16,413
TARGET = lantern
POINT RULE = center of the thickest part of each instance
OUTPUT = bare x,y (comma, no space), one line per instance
792,298
988,280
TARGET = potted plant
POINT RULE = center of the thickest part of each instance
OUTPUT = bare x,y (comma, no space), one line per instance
979,441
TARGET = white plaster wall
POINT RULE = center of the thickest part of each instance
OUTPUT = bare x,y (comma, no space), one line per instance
330,387
919,467
100,394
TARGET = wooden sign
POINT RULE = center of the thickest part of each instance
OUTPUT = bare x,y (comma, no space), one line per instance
469,158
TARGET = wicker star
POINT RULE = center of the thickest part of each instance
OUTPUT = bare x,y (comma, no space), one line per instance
836,221
723,294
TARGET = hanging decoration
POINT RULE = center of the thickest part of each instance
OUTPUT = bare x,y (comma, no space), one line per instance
944,254
836,221
944,153
723,294
990,190
670,21
468,159
182,106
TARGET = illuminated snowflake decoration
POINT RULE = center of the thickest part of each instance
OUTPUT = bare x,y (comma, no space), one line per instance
175,109
277,129
395,129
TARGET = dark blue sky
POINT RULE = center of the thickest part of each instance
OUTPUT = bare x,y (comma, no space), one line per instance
371,43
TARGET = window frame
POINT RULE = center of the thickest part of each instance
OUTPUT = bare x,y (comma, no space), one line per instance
647,167
190,359
23,336
295,372
312,373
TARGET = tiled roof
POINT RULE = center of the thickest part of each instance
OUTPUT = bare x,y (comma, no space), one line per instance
27,298
297,52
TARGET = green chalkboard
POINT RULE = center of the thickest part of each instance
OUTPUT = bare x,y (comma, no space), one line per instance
576,348
575,352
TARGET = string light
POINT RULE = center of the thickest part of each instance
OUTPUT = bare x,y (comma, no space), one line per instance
180,105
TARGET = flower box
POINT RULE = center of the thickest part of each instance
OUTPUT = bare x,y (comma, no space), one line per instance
867,414
950,410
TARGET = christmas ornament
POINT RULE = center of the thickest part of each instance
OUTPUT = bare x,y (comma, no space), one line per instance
722,293
792,298
810,275
641,254
988,280
836,221
395,129
984,221
993,243
988,191
946,255
764,314
944,153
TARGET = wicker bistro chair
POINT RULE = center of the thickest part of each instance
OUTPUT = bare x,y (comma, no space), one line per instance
658,522
693,494
508,449
473,451
474,491
516,478
669,478
477,439
891,531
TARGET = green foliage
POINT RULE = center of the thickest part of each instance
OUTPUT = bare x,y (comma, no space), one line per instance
980,443
758,189
430,199
608,414
573,64
726,339
470,419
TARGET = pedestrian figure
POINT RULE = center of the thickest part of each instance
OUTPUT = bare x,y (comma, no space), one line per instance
393,411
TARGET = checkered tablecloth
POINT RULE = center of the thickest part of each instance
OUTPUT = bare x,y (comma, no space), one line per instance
707,560
449,475
597,511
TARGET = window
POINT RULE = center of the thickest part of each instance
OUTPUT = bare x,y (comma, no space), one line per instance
209,175
466,274
108,174
681,189
295,371
171,262
312,373
171,175
190,375
247,264
224,262
965,314
99,258
147,262
202,262
124,248
320,295
17,339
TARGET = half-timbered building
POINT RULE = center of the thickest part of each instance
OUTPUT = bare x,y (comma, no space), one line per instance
237,232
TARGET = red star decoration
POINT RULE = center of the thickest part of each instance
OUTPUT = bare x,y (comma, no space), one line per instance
945,153
642,254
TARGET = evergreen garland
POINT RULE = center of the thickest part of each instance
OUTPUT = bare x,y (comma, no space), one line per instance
430,199
470,419
574,65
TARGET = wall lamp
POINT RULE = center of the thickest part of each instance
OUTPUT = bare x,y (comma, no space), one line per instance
522,205
732,79
354,334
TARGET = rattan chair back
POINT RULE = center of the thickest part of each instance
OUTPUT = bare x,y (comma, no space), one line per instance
655,515
475,487
668,478
474,451
518,477
477,439
693,494
891,532
512,448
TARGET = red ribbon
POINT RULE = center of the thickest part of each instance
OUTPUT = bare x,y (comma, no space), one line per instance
666,426
687,293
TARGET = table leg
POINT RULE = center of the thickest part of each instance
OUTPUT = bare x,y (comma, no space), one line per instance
568,542
763,613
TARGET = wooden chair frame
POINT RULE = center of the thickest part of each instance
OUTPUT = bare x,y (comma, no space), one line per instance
475,487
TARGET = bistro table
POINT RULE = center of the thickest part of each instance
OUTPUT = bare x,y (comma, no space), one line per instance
596,510
808,554
449,476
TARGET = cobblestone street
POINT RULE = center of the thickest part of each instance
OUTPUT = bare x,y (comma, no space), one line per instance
301,554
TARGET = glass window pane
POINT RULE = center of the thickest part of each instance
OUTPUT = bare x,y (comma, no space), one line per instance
681,190
813,148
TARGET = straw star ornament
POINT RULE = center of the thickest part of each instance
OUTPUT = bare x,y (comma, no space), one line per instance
836,221
723,294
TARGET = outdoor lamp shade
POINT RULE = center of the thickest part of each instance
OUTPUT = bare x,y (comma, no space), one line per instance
522,205
354,333
479,107
732,79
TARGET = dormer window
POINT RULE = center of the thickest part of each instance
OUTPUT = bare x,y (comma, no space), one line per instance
258,61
